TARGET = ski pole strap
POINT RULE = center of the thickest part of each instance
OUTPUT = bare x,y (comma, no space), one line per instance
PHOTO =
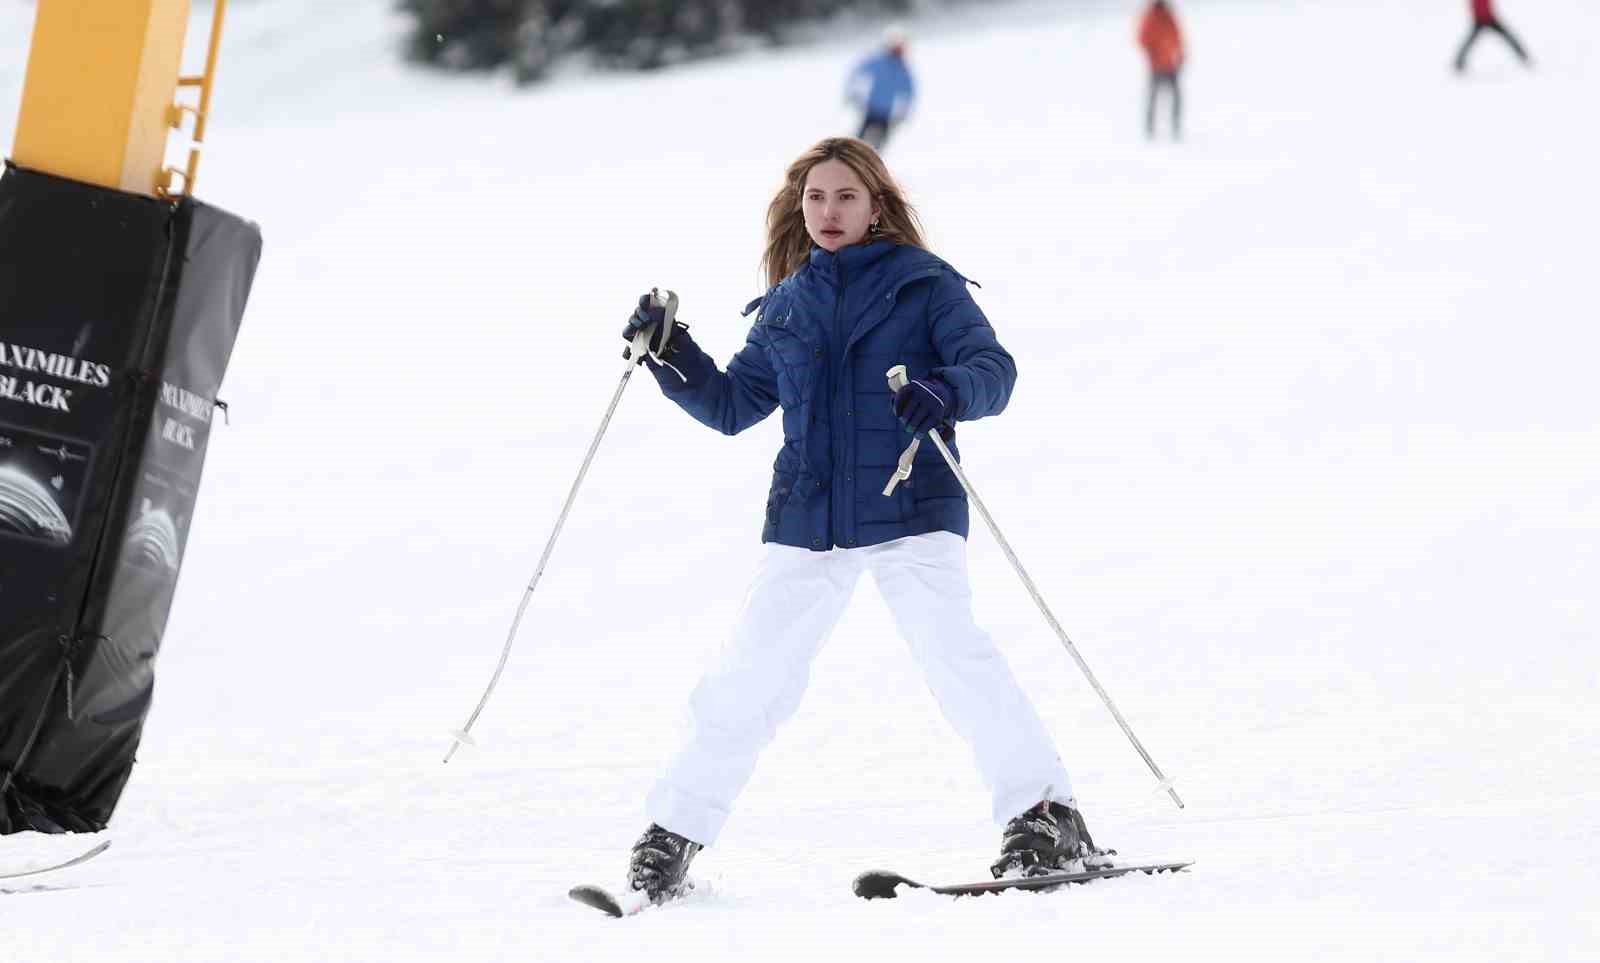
897,380
903,470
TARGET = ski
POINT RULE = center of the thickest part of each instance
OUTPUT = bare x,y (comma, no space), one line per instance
881,884
74,861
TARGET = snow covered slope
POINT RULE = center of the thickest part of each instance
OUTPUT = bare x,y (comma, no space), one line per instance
1320,504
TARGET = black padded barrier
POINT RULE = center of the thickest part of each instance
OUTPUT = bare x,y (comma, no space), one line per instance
118,314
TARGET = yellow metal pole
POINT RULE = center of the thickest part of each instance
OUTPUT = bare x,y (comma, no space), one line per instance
98,93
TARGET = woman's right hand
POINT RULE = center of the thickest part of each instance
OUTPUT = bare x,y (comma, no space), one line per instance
651,316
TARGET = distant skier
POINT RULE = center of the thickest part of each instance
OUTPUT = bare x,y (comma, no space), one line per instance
1484,18
853,292
882,89
1163,47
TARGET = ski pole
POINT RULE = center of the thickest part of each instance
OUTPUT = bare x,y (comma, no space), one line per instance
635,356
897,380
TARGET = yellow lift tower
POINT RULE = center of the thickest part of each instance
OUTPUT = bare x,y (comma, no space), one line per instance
100,97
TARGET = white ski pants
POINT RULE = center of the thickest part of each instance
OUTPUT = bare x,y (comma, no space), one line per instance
796,599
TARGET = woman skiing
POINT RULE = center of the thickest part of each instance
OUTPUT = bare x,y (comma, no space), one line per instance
1484,18
853,292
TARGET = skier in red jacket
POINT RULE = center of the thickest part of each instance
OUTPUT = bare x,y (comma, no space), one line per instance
1483,18
1163,46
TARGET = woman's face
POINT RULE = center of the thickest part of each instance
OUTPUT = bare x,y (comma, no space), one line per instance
837,208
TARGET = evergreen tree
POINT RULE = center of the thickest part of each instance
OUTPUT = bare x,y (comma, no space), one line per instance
533,35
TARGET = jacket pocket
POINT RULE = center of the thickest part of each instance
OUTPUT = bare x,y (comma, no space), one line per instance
777,499
937,487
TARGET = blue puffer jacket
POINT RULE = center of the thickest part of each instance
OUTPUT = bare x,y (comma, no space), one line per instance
820,347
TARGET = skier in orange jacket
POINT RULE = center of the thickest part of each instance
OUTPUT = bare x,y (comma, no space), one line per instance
1163,46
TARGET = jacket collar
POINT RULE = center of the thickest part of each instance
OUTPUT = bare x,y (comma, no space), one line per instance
848,261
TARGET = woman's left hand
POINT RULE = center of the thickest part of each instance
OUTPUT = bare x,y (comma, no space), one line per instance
924,404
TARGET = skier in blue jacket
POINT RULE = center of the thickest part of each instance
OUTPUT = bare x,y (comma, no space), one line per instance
882,89
854,292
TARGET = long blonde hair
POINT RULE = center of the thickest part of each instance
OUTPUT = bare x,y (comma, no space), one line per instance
788,244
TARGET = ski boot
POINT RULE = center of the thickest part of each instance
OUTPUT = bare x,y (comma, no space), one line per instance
1049,838
659,864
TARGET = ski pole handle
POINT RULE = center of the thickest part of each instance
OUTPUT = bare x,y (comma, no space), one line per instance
651,340
897,378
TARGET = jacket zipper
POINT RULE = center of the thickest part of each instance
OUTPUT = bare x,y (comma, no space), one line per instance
835,371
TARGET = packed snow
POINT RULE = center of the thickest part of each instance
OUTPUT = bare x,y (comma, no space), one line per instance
1303,454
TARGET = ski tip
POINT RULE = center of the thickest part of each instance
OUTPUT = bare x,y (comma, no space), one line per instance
878,884
1176,866
597,898
77,860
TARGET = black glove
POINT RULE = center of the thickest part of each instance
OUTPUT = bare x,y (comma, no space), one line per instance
924,404
649,314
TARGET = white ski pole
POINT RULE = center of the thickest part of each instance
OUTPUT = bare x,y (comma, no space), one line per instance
897,380
635,357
